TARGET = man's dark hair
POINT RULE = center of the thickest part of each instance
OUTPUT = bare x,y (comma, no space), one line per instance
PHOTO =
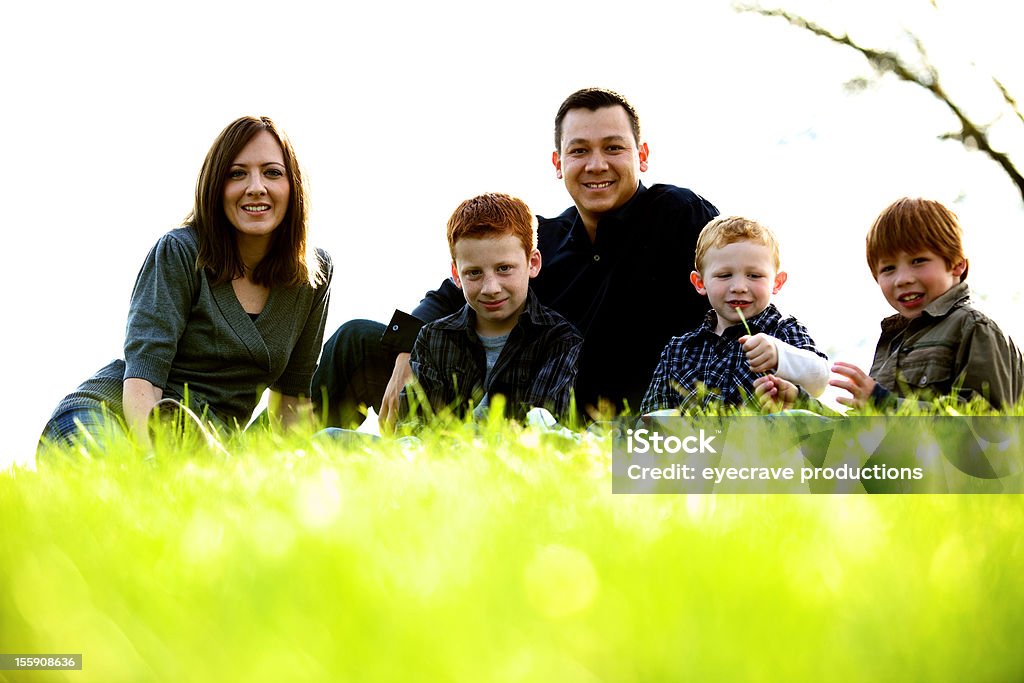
594,99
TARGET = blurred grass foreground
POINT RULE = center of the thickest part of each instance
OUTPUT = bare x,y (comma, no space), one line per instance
488,555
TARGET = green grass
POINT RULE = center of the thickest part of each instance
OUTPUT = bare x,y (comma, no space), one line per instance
494,557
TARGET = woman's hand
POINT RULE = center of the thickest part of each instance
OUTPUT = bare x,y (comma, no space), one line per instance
138,397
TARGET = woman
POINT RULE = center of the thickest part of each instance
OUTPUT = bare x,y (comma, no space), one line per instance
229,304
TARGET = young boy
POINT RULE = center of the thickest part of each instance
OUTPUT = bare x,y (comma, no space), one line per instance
737,268
503,341
937,343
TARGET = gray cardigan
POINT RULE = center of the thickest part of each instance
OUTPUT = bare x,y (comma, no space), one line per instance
184,330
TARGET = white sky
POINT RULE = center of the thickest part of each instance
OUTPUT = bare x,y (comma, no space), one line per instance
398,111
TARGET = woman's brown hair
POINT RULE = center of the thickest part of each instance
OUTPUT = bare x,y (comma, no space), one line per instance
289,261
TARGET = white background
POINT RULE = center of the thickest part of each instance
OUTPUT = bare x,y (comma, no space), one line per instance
398,111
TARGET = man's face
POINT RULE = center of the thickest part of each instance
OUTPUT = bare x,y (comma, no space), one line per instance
740,276
494,274
600,161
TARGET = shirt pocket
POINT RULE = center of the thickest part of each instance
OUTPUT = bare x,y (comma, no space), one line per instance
929,364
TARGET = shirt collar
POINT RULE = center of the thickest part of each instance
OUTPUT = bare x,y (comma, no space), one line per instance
533,314
465,318
765,320
624,209
956,296
579,230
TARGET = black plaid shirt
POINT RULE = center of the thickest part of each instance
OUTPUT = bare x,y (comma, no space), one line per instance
701,368
536,368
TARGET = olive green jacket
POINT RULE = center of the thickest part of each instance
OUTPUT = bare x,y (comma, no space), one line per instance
951,348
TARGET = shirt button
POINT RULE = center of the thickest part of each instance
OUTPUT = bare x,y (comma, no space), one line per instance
394,328
597,257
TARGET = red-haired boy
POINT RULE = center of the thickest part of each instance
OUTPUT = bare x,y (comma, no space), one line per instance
937,344
503,341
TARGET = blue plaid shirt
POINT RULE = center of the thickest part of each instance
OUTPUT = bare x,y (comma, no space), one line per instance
536,368
701,369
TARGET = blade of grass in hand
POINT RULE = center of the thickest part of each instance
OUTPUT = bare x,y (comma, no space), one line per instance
744,320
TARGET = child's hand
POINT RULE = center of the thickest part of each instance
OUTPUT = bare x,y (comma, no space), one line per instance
761,352
774,393
856,382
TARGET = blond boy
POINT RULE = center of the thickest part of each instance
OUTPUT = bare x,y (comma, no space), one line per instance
737,268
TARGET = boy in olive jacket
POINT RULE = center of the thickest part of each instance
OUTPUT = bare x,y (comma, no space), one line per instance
937,344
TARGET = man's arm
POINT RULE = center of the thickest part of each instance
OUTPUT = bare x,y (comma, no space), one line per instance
390,405
444,300
401,332
400,336
425,380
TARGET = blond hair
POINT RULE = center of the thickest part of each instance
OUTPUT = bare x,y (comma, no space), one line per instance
726,230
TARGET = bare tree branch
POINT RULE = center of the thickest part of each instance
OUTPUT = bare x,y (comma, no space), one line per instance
1009,98
971,135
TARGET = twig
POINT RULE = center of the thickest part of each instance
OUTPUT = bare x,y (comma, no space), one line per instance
971,134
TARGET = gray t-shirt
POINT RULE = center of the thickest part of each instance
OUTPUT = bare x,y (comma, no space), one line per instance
492,349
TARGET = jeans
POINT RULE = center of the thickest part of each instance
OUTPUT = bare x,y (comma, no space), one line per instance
79,424
353,373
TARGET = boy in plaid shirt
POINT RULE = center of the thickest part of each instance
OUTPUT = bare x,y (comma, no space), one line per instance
737,268
503,341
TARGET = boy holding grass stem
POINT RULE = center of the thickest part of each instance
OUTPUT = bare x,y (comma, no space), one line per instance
737,268
503,341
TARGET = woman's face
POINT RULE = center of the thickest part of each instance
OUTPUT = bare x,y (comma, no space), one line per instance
257,189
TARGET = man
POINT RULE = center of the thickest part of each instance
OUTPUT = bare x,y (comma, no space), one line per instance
616,265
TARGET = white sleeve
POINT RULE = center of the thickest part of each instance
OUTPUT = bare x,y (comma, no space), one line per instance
802,367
